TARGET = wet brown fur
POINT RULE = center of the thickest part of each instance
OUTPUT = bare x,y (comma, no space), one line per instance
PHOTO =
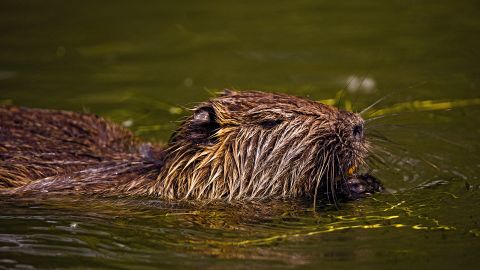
238,146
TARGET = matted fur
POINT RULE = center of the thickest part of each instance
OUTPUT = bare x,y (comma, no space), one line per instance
238,146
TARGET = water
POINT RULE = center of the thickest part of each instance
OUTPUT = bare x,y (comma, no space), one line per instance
143,63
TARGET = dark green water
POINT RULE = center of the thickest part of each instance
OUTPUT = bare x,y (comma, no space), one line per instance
141,63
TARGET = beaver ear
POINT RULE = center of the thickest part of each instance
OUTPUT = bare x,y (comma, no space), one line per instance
204,115
203,126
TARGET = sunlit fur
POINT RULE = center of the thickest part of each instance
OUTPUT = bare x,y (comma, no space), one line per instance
238,146
265,146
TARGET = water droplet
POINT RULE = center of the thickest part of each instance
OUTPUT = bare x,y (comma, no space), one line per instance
127,123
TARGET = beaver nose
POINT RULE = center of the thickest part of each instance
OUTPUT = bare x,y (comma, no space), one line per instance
358,131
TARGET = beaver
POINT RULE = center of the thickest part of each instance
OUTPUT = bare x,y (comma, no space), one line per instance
240,145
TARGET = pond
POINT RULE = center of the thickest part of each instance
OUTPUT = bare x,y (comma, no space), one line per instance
143,64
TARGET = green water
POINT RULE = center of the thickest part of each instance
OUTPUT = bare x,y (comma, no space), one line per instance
142,63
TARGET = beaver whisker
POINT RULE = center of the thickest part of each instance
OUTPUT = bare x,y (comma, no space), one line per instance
331,194
343,177
387,145
374,104
378,148
376,157
387,125
320,176
381,141
375,118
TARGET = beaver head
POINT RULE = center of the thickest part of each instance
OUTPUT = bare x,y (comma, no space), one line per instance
246,145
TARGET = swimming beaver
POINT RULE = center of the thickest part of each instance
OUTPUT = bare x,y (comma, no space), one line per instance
238,146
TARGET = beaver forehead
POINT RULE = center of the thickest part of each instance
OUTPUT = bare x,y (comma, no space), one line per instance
349,118
252,102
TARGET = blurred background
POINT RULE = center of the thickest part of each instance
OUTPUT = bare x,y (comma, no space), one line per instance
140,61
143,63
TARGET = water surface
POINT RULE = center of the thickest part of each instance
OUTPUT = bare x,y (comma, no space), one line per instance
142,64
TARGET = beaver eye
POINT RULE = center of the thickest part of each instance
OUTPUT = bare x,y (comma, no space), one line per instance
267,124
